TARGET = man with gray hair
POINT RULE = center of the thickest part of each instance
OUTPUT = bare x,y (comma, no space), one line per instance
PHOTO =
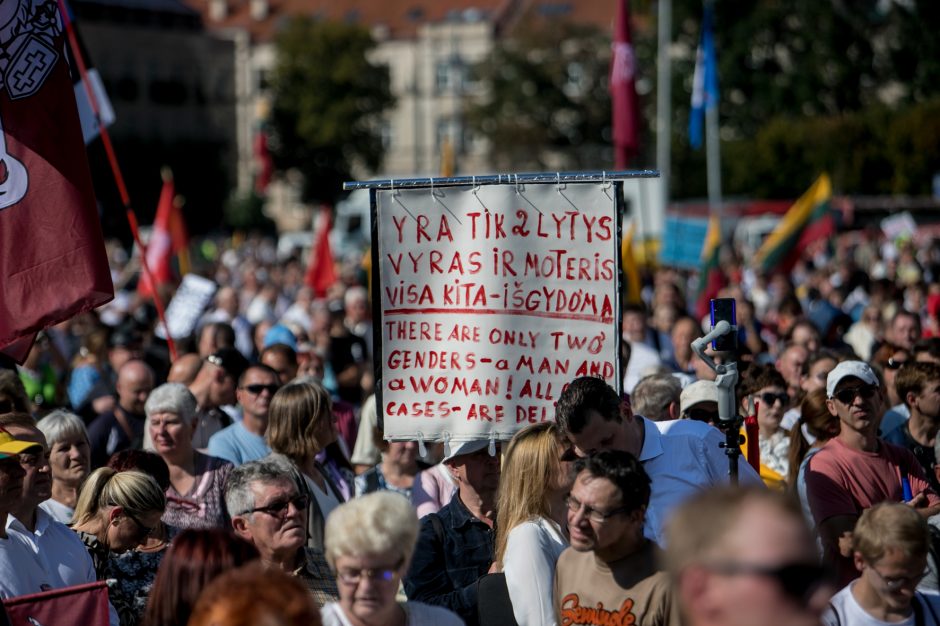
656,397
268,510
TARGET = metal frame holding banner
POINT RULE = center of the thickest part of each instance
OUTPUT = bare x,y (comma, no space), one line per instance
490,295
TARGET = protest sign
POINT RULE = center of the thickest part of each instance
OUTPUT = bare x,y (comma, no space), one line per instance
489,300
191,299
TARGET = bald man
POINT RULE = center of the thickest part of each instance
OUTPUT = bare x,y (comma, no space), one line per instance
123,427
184,369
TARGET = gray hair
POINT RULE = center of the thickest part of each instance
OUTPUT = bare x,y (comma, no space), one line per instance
274,468
652,396
60,425
374,524
173,398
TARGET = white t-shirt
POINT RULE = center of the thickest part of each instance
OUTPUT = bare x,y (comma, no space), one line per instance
532,549
418,614
844,610
58,511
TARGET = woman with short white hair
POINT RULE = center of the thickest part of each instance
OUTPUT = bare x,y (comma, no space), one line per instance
195,497
69,461
369,543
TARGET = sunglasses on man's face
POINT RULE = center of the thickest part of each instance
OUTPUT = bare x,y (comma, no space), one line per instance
848,395
799,581
895,364
257,389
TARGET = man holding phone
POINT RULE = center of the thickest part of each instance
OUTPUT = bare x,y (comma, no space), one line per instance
856,470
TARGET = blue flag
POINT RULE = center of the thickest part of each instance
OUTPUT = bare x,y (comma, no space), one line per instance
704,80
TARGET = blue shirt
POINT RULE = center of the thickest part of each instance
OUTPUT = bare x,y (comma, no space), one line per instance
236,444
454,551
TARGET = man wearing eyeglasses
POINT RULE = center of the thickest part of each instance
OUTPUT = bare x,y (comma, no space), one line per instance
610,575
267,510
681,457
889,549
856,469
745,557
243,441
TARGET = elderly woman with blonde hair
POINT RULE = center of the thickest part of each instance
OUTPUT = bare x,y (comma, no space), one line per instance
531,524
369,543
69,461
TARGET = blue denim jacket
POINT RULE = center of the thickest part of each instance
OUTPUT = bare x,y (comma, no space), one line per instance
450,560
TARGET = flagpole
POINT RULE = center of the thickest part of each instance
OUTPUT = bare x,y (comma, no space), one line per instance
664,99
713,146
115,170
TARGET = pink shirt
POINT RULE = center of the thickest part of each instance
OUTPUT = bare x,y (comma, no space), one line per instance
843,481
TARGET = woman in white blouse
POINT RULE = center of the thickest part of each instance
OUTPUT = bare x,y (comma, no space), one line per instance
532,521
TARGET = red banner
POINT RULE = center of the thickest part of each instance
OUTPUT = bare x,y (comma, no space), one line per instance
68,606
53,263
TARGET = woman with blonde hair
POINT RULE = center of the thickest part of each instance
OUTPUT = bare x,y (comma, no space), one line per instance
369,544
116,512
300,424
531,526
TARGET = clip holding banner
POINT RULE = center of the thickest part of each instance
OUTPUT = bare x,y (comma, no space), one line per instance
422,449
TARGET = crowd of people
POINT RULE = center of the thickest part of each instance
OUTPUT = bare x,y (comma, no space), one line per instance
247,478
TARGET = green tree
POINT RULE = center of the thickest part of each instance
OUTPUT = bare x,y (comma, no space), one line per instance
545,103
328,100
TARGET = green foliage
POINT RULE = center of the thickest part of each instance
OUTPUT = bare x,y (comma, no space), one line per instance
327,105
546,102
875,151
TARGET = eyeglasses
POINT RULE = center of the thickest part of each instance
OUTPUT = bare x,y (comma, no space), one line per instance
280,508
769,398
797,580
574,505
352,576
848,395
257,389
897,582
895,364
145,531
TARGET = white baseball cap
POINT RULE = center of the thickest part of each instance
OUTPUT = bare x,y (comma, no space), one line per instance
845,369
696,393
466,447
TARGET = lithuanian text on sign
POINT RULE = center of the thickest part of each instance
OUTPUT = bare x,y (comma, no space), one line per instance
492,299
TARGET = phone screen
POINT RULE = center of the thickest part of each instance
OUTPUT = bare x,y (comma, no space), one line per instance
724,309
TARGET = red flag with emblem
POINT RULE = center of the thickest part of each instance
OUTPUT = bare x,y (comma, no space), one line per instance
625,109
53,263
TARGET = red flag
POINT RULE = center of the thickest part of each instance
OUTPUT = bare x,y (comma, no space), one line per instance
265,163
53,263
321,272
81,604
161,246
624,105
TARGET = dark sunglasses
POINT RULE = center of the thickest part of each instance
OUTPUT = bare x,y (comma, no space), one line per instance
768,398
895,364
280,509
798,580
257,389
848,395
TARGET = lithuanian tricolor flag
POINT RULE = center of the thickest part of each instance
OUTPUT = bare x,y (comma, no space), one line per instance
711,278
809,219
